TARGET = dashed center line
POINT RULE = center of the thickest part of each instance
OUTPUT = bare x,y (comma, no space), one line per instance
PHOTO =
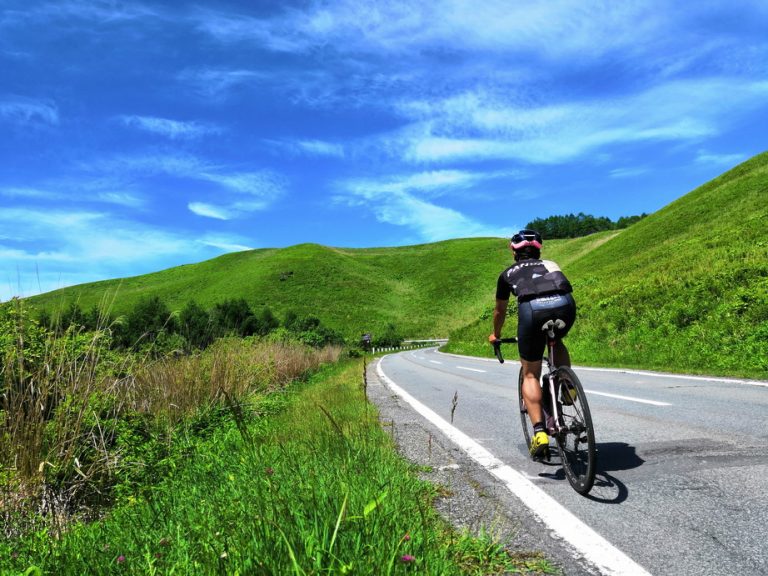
470,369
628,398
436,362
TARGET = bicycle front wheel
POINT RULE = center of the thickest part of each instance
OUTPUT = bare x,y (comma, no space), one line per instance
576,441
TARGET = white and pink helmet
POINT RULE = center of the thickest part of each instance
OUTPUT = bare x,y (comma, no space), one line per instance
526,238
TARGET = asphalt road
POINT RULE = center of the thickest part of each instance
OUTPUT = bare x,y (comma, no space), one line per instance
682,481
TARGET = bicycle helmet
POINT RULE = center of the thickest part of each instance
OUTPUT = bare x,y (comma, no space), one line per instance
526,238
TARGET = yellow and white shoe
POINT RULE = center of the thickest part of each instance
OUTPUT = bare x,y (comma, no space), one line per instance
539,445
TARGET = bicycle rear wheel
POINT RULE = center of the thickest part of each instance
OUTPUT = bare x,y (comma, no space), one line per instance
576,443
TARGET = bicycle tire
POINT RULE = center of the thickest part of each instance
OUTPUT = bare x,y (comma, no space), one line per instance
524,419
576,444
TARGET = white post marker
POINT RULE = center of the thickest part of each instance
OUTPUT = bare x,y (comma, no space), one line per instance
608,559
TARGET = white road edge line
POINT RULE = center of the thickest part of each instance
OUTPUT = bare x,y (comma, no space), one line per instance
628,398
593,547
470,369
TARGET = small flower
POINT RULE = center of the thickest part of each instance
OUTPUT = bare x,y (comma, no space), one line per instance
269,470
120,559
406,538
407,558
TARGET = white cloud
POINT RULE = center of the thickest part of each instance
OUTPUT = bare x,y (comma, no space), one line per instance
96,10
476,126
51,248
402,201
719,160
628,172
30,193
27,110
173,129
209,211
432,183
227,243
321,148
212,83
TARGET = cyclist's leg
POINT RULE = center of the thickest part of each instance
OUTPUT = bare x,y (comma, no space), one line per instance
530,344
532,389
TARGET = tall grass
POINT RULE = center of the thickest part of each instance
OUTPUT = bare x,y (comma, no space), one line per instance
79,422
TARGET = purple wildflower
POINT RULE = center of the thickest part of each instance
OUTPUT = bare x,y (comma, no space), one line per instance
120,559
407,558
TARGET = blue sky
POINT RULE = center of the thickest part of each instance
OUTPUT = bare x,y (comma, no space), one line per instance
136,136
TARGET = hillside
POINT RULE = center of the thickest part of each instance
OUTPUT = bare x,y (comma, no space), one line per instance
684,289
425,290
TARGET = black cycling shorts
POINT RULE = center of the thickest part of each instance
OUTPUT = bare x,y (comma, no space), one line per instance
532,314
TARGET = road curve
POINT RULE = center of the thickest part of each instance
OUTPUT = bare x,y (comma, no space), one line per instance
681,482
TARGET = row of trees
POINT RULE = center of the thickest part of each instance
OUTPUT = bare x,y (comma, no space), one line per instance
577,225
152,321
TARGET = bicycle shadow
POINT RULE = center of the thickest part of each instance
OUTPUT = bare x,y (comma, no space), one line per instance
611,457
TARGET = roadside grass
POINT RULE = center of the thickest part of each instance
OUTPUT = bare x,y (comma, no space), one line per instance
306,483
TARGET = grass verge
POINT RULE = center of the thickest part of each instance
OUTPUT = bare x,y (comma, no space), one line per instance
307,484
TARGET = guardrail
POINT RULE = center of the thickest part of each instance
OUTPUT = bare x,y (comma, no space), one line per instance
410,345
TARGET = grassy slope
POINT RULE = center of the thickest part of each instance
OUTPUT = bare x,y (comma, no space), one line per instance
686,288
425,290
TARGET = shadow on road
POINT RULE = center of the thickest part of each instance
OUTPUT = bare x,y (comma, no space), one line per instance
613,456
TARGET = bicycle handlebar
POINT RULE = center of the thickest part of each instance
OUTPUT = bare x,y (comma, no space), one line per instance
497,347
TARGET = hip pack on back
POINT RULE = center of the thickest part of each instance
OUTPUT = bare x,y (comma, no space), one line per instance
549,283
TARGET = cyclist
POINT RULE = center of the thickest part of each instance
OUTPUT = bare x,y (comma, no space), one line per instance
543,293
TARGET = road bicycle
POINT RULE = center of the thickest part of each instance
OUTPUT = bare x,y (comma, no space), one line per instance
565,411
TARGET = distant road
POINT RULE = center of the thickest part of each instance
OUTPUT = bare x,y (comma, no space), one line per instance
682,483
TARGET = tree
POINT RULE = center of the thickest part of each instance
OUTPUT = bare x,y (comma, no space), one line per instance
195,325
146,321
233,317
577,225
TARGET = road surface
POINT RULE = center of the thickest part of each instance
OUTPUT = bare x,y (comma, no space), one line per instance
682,481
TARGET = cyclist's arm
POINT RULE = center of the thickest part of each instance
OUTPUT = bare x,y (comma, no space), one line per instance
499,316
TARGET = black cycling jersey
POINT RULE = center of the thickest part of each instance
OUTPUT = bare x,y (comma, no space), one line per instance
543,293
531,278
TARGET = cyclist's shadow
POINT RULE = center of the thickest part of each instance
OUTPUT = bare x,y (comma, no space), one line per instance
611,456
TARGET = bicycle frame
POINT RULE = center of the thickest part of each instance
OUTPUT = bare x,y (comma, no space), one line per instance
552,416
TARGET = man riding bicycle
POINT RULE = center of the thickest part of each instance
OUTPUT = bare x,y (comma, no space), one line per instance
543,293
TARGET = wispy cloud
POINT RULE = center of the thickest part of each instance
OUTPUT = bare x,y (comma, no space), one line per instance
629,172
238,193
27,110
719,160
480,127
30,193
218,83
408,201
226,242
209,211
46,240
94,10
173,129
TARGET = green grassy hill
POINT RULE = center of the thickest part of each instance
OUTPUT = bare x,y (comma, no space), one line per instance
425,290
686,288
